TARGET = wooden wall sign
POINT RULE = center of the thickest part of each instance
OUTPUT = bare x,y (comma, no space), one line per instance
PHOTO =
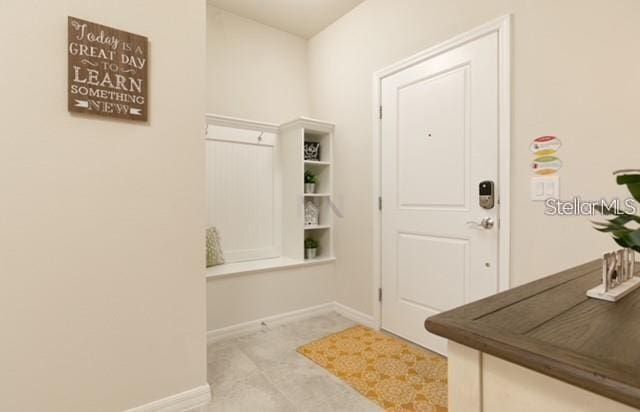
107,71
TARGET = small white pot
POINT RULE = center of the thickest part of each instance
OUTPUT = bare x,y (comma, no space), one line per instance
311,253
309,187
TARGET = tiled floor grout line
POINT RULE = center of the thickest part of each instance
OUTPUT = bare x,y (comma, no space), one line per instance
260,371
277,388
266,376
242,378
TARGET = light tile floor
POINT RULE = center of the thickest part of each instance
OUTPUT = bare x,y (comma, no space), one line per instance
262,372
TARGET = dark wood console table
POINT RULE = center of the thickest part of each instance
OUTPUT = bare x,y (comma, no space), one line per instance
552,327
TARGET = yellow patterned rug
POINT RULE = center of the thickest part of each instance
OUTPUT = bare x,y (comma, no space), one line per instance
393,373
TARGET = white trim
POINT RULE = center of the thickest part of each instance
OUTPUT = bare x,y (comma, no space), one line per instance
280,319
309,123
375,203
256,325
502,26
498,25
262,265
193,400
504,152
356,316
236,122
219,133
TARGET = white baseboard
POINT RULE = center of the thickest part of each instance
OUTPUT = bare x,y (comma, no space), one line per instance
193,400
356,316
256,325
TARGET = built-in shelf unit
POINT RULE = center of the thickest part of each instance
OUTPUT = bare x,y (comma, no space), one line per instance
288,165
292,136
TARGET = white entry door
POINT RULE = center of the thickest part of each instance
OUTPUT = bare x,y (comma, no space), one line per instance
439,141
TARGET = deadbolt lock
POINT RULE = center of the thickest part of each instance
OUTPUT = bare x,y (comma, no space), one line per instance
486,194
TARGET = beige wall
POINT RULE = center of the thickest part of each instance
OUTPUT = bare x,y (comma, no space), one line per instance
574,74
101,221
254,71
259,73
247,297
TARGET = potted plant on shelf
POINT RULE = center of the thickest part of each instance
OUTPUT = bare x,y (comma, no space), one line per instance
310,180
310,248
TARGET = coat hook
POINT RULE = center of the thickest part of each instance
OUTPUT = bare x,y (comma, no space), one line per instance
260,137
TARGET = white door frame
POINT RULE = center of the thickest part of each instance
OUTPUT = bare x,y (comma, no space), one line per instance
502,26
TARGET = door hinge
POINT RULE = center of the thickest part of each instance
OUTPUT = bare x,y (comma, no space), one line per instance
379,202
380,112
379,294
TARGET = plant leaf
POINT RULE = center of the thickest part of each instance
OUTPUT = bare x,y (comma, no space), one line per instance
628,178
624,218
612,228
632,182
632,238
621,242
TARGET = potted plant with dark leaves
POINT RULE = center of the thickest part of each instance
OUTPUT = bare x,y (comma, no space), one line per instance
310,180
310,248
623,226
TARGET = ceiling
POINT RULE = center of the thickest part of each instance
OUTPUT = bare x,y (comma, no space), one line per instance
304,18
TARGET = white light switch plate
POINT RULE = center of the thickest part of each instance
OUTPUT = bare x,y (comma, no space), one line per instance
545,187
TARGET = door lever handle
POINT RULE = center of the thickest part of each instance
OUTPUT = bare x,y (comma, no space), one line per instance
485,223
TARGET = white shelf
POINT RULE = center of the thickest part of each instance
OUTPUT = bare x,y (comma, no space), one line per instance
317,227
318,260
262,265
292,138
